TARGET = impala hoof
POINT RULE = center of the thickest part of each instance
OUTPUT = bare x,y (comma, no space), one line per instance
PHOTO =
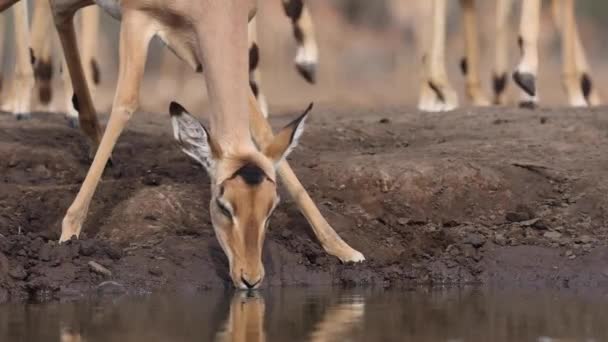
308,71
526,81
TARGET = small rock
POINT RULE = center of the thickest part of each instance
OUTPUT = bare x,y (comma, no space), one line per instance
87,248
155,271
540,225
113,252
569,253
500,239
18,272
584,239
384,120
516,216
475,240
110,287
97,268
572,257
553,235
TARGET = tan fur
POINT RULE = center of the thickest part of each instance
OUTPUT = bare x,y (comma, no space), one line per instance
220,31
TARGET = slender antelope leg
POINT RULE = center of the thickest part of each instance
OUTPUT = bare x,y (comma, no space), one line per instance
64,23
442,96
570,74
254,72
41,47
20,96
135,35
499,77
89,38
590,92
527,70
470,64
307,56
329,239
576,68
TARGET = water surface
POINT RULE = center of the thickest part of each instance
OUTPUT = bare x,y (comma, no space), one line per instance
315,315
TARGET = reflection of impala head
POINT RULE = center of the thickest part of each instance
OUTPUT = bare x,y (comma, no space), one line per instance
243,190
246,319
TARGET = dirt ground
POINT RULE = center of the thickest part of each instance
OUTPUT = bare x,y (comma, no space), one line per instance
500,196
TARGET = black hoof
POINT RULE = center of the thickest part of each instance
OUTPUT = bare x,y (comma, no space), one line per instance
308,71
72,122
525,81
527,104
23,116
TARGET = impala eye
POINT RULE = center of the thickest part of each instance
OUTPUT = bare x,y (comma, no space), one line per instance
223,209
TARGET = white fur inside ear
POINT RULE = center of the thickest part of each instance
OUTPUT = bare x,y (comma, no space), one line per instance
193,139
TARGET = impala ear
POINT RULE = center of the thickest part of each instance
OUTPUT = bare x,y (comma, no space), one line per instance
193,137
284,142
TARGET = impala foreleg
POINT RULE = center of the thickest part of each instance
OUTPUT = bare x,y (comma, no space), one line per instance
42,48
329,239
135,34
525,74
437,94
20,96
499,75
470,63
255,81
307,56
64,22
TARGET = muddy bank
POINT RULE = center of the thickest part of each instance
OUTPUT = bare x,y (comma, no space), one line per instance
498,196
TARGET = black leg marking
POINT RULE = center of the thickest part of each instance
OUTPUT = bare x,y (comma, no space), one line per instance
500,83
437,91
525,81
199,68
293,9
96,73
254,88
520,43
254,56
43,72
32,57
464,66
586,85
75,102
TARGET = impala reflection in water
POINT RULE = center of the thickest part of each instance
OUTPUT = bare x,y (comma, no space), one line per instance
315,315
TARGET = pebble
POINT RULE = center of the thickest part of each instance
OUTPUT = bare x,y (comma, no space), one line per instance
553,235
99,269
475,240
87,248
155,271
18,272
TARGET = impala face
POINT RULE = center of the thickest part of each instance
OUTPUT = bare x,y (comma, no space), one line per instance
243,191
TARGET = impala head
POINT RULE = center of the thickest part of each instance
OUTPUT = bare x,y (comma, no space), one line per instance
243,190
